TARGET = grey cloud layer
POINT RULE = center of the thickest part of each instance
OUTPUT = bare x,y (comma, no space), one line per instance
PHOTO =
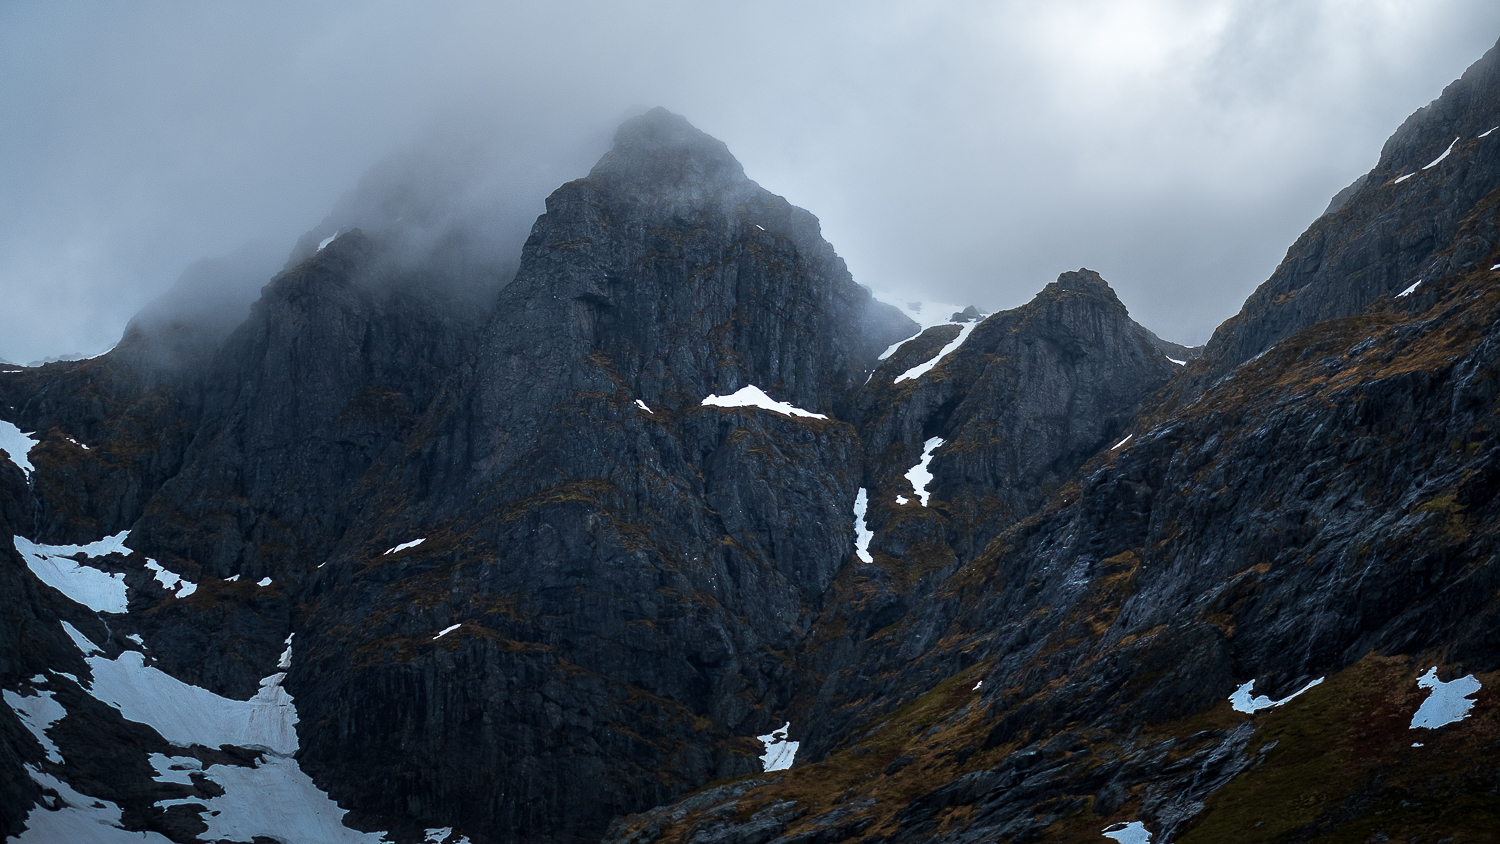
966,152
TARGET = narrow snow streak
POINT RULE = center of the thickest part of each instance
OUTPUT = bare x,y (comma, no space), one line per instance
920,475
327,240
862,532
446,630
17,444
1134,832
753,396
1121,442
1448,702
1435,161
1410,290
780,752
1403,178
403,546
98,590
1178,362
1486,133
642,406
1242,702
923,368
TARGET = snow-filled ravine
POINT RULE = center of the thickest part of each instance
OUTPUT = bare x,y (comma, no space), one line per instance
920,475
926,366
17,444
862,532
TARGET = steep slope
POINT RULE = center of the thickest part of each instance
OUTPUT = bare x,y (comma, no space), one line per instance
1315,526
627,567
1394,227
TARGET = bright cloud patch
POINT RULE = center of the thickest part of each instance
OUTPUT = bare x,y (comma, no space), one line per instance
1448,702
780,751
753,396
98,590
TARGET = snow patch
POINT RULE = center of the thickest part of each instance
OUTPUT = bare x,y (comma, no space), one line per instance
901,499
171,580
862,532
185,715
920,475
923,368
83,818
264,581
76,442
780,751
98,590
17,444
1410,290
1178,362
327,240
1486,133
642,406
403,546
1121,442
1134,832
38,712
276,800
446,630
753,396
1435,161
1448,702
1401,179
977,686
1242,702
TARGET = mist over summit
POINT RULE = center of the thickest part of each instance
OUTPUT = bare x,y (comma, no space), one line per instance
631,515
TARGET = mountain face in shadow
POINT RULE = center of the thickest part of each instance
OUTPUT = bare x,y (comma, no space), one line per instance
550,548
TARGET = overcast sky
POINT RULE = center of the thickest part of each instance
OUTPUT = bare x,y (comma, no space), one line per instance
961,152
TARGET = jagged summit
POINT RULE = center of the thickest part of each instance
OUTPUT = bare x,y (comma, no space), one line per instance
1083,281
661,154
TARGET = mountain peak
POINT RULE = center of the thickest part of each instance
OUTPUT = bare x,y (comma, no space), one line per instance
1083,281
661,153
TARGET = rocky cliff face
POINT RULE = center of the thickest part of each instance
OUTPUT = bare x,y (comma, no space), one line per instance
536,568
1397,226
